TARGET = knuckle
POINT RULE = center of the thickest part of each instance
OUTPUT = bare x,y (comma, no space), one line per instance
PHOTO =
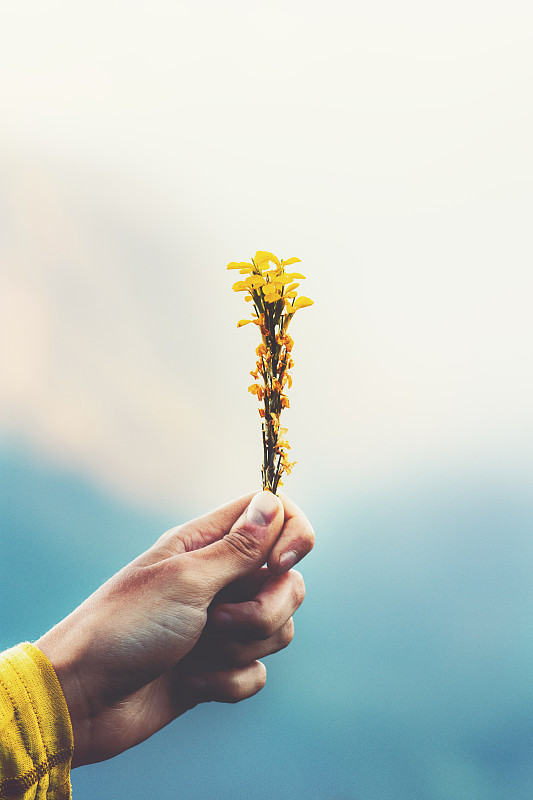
261,677
234,654
309,535
169,537
247,683
179,572
298,587
287,633
235,690
244,543
255,679
265,626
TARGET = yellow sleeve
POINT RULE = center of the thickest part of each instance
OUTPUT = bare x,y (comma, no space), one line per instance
36,740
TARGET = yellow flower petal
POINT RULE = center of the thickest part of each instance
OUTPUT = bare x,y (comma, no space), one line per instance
258,390
302,302
254,280
289,261
262,257
291,287
242,322
289,344
240,286
239,265
294,276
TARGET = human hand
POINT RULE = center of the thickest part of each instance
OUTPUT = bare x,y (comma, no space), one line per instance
184,623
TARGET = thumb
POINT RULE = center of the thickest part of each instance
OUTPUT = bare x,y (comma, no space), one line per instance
244,548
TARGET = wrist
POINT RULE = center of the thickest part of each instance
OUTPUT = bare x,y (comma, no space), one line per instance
64,666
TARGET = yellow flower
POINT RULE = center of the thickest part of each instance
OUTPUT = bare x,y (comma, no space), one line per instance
239,265
286,380
273,292
290,261
252,281
299,302
262,257
282,445
257,389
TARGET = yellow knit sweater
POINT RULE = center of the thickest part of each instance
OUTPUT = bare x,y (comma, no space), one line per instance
35,732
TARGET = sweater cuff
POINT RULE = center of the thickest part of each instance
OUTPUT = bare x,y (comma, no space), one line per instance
36,741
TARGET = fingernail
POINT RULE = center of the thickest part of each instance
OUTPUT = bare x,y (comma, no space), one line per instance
288,560
224,618
263,508
197,684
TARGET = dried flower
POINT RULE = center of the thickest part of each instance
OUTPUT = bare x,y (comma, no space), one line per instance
274,301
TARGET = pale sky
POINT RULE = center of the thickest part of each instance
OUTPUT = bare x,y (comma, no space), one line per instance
145,145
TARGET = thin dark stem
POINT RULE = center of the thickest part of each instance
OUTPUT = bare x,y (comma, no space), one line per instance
278,474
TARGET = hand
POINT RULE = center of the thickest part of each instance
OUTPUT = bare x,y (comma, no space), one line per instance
182,624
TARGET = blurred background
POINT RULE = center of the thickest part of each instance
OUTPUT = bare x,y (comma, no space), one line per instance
143,146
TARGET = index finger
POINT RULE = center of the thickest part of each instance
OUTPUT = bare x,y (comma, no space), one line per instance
198,532
297,538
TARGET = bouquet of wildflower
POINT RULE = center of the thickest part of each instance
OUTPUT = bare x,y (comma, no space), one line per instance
274,301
